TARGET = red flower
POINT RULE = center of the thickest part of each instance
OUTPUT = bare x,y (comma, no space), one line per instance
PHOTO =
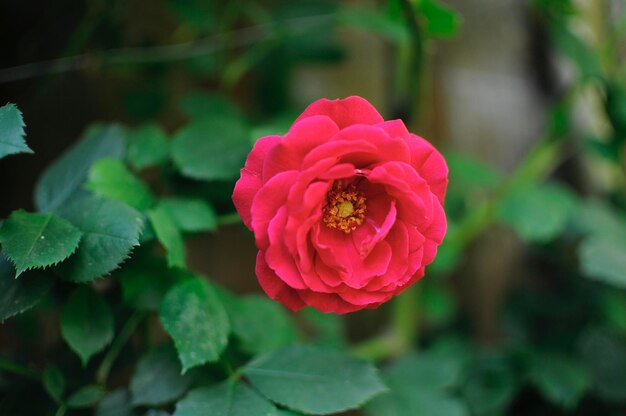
346,208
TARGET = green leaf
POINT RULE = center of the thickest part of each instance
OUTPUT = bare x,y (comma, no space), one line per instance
54,383
195,318
86,323
110,231
116,403
538,213
491,385
147,146
599,219
428,371
559,379
576,50
17,296
261,324
603,354
200,105
419,385
169,235
603,259
290,375
62,180
86,397
440,20
191,215
12,131
328,328
404,401
157,379
225,399
33,241
111,179
145,283
211,149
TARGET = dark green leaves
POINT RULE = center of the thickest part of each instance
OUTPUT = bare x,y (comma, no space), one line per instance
147,146
54,383
110,231
605,260
145,283
538,213
157,379
211,149
62,180
260,324
86,323
225,399
37,240
421,385
19,295
85,396
195,318
314,380
110,178
560,379
12,131
603,354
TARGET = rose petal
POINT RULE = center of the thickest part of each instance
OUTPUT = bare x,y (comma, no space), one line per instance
276,288
344,112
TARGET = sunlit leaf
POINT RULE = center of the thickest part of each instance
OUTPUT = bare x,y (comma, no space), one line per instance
110,178
169,235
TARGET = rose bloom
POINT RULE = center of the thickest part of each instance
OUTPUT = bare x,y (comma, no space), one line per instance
346,208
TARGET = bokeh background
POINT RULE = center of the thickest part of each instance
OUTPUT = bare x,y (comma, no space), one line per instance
527,100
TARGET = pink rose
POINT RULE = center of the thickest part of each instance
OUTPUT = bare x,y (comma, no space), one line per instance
346,208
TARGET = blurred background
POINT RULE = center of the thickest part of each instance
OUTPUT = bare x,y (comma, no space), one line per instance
524,310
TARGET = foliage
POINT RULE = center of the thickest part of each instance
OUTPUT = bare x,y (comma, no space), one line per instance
102,308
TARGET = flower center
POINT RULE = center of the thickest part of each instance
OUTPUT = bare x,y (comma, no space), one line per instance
345,208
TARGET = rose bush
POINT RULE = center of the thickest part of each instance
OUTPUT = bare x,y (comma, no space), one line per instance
346,208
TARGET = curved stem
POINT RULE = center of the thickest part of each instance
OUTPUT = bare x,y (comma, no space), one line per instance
18,369
116,348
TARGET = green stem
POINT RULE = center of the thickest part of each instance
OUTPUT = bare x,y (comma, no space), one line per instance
403,333
229,219
116,348
18,369
61,411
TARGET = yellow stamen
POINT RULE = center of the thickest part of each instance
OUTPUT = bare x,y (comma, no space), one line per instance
345,209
